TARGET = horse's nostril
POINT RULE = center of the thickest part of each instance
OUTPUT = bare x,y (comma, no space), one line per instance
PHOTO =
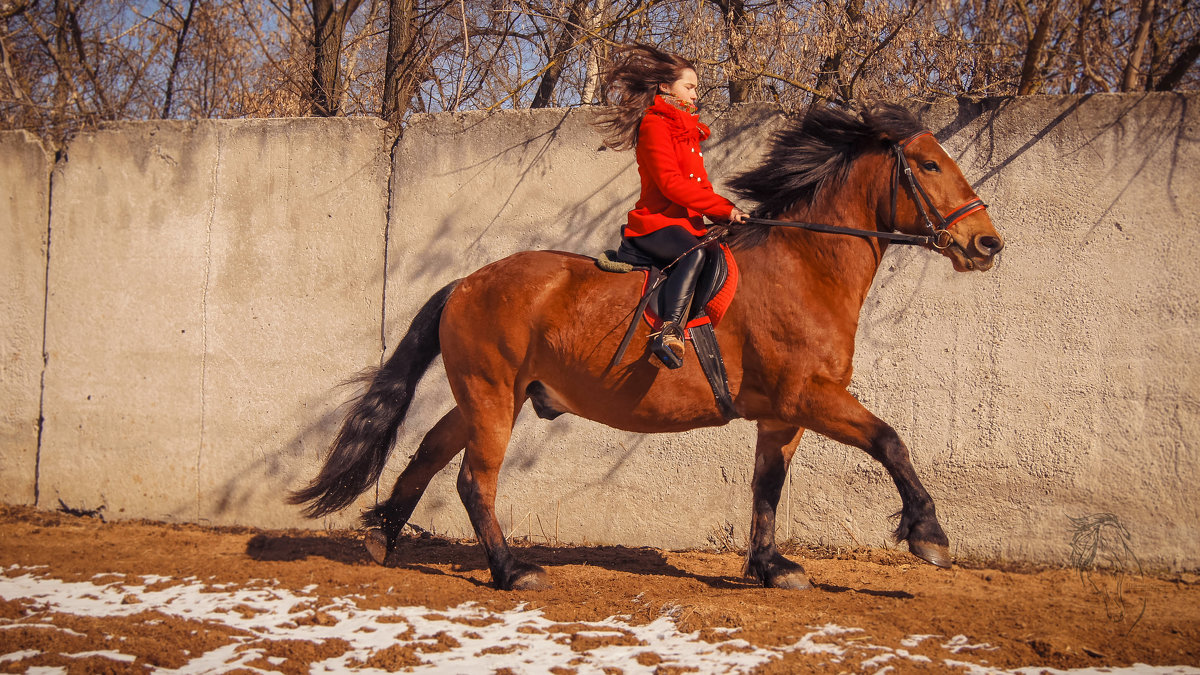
989,245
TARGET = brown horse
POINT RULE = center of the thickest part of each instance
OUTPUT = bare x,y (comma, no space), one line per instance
787,340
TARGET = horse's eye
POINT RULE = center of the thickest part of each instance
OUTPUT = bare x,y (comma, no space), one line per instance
931,166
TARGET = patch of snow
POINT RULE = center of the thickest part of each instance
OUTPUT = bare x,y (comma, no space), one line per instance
878,660
915,640
529,641
17,656
1135,669
108,654
47,626
370,631
958,643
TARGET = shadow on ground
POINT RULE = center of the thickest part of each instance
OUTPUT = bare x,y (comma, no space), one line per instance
422,553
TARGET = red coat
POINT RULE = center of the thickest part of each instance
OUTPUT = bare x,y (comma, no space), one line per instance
675,186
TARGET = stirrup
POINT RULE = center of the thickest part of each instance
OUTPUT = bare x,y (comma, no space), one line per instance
668,345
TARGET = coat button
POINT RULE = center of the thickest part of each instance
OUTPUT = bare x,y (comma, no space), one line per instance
702,154
691,175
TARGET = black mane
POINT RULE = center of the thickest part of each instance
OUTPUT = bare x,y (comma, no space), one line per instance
809,152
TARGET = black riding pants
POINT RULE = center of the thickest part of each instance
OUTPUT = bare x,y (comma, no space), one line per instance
664,246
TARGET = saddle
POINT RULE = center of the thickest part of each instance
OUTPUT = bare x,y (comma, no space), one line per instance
713,295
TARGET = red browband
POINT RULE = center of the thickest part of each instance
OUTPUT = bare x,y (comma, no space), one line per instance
904,143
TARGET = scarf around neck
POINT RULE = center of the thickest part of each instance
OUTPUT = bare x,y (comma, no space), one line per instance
686,106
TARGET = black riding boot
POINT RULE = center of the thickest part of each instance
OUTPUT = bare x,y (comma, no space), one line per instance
677,294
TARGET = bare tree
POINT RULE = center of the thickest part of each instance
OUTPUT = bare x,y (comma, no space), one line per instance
1129,81
567,40
400,76
329,26
735,20
67,65
1030,74
829,78
185,22
1187,59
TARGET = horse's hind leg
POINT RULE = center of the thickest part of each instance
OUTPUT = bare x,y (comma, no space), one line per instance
842,418
491,427
445,440
776,445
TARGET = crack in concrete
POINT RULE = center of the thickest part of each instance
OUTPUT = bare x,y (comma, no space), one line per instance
387,231
204,318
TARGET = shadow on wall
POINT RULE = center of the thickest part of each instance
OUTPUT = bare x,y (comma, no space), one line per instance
1170,111
273,472
589,212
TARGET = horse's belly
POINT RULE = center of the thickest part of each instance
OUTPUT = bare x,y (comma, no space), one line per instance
639,397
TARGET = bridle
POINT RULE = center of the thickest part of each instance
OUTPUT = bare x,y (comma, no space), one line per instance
939,235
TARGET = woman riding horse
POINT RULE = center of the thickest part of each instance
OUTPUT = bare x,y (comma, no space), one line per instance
787,338
655,110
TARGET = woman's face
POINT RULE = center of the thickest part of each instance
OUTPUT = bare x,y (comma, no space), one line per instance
684,88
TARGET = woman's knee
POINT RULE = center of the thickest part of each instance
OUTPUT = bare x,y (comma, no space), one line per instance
693,260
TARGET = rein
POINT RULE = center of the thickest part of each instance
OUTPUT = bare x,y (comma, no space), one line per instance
939,237
897,237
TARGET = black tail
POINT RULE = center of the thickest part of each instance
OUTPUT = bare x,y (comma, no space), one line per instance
362,446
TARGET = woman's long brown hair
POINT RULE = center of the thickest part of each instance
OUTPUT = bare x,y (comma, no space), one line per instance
631,85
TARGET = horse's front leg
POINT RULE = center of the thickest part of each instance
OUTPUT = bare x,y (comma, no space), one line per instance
776,445
838,415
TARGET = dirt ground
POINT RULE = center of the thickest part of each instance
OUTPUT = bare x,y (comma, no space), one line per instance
81,595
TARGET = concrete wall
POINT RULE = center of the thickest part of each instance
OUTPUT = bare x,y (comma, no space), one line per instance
24,230
210,283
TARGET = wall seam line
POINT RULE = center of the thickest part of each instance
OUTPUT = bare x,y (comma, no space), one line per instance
41,421
387,232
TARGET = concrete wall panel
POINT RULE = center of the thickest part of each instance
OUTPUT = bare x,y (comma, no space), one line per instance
294,306
24,232
124,337
214,282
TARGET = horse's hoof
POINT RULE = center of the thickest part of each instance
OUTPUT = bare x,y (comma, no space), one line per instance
377,545
778,572
934,554
792,580
529,578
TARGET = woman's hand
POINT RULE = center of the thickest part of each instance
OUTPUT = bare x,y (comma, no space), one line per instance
738,216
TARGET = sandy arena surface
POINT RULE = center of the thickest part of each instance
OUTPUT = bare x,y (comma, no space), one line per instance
78,595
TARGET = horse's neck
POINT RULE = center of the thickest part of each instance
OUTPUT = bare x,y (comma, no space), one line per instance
844,262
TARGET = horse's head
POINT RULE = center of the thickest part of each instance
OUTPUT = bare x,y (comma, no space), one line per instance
936,195
813,167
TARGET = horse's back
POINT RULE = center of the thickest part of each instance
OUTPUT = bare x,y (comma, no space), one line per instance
533,281
556,318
